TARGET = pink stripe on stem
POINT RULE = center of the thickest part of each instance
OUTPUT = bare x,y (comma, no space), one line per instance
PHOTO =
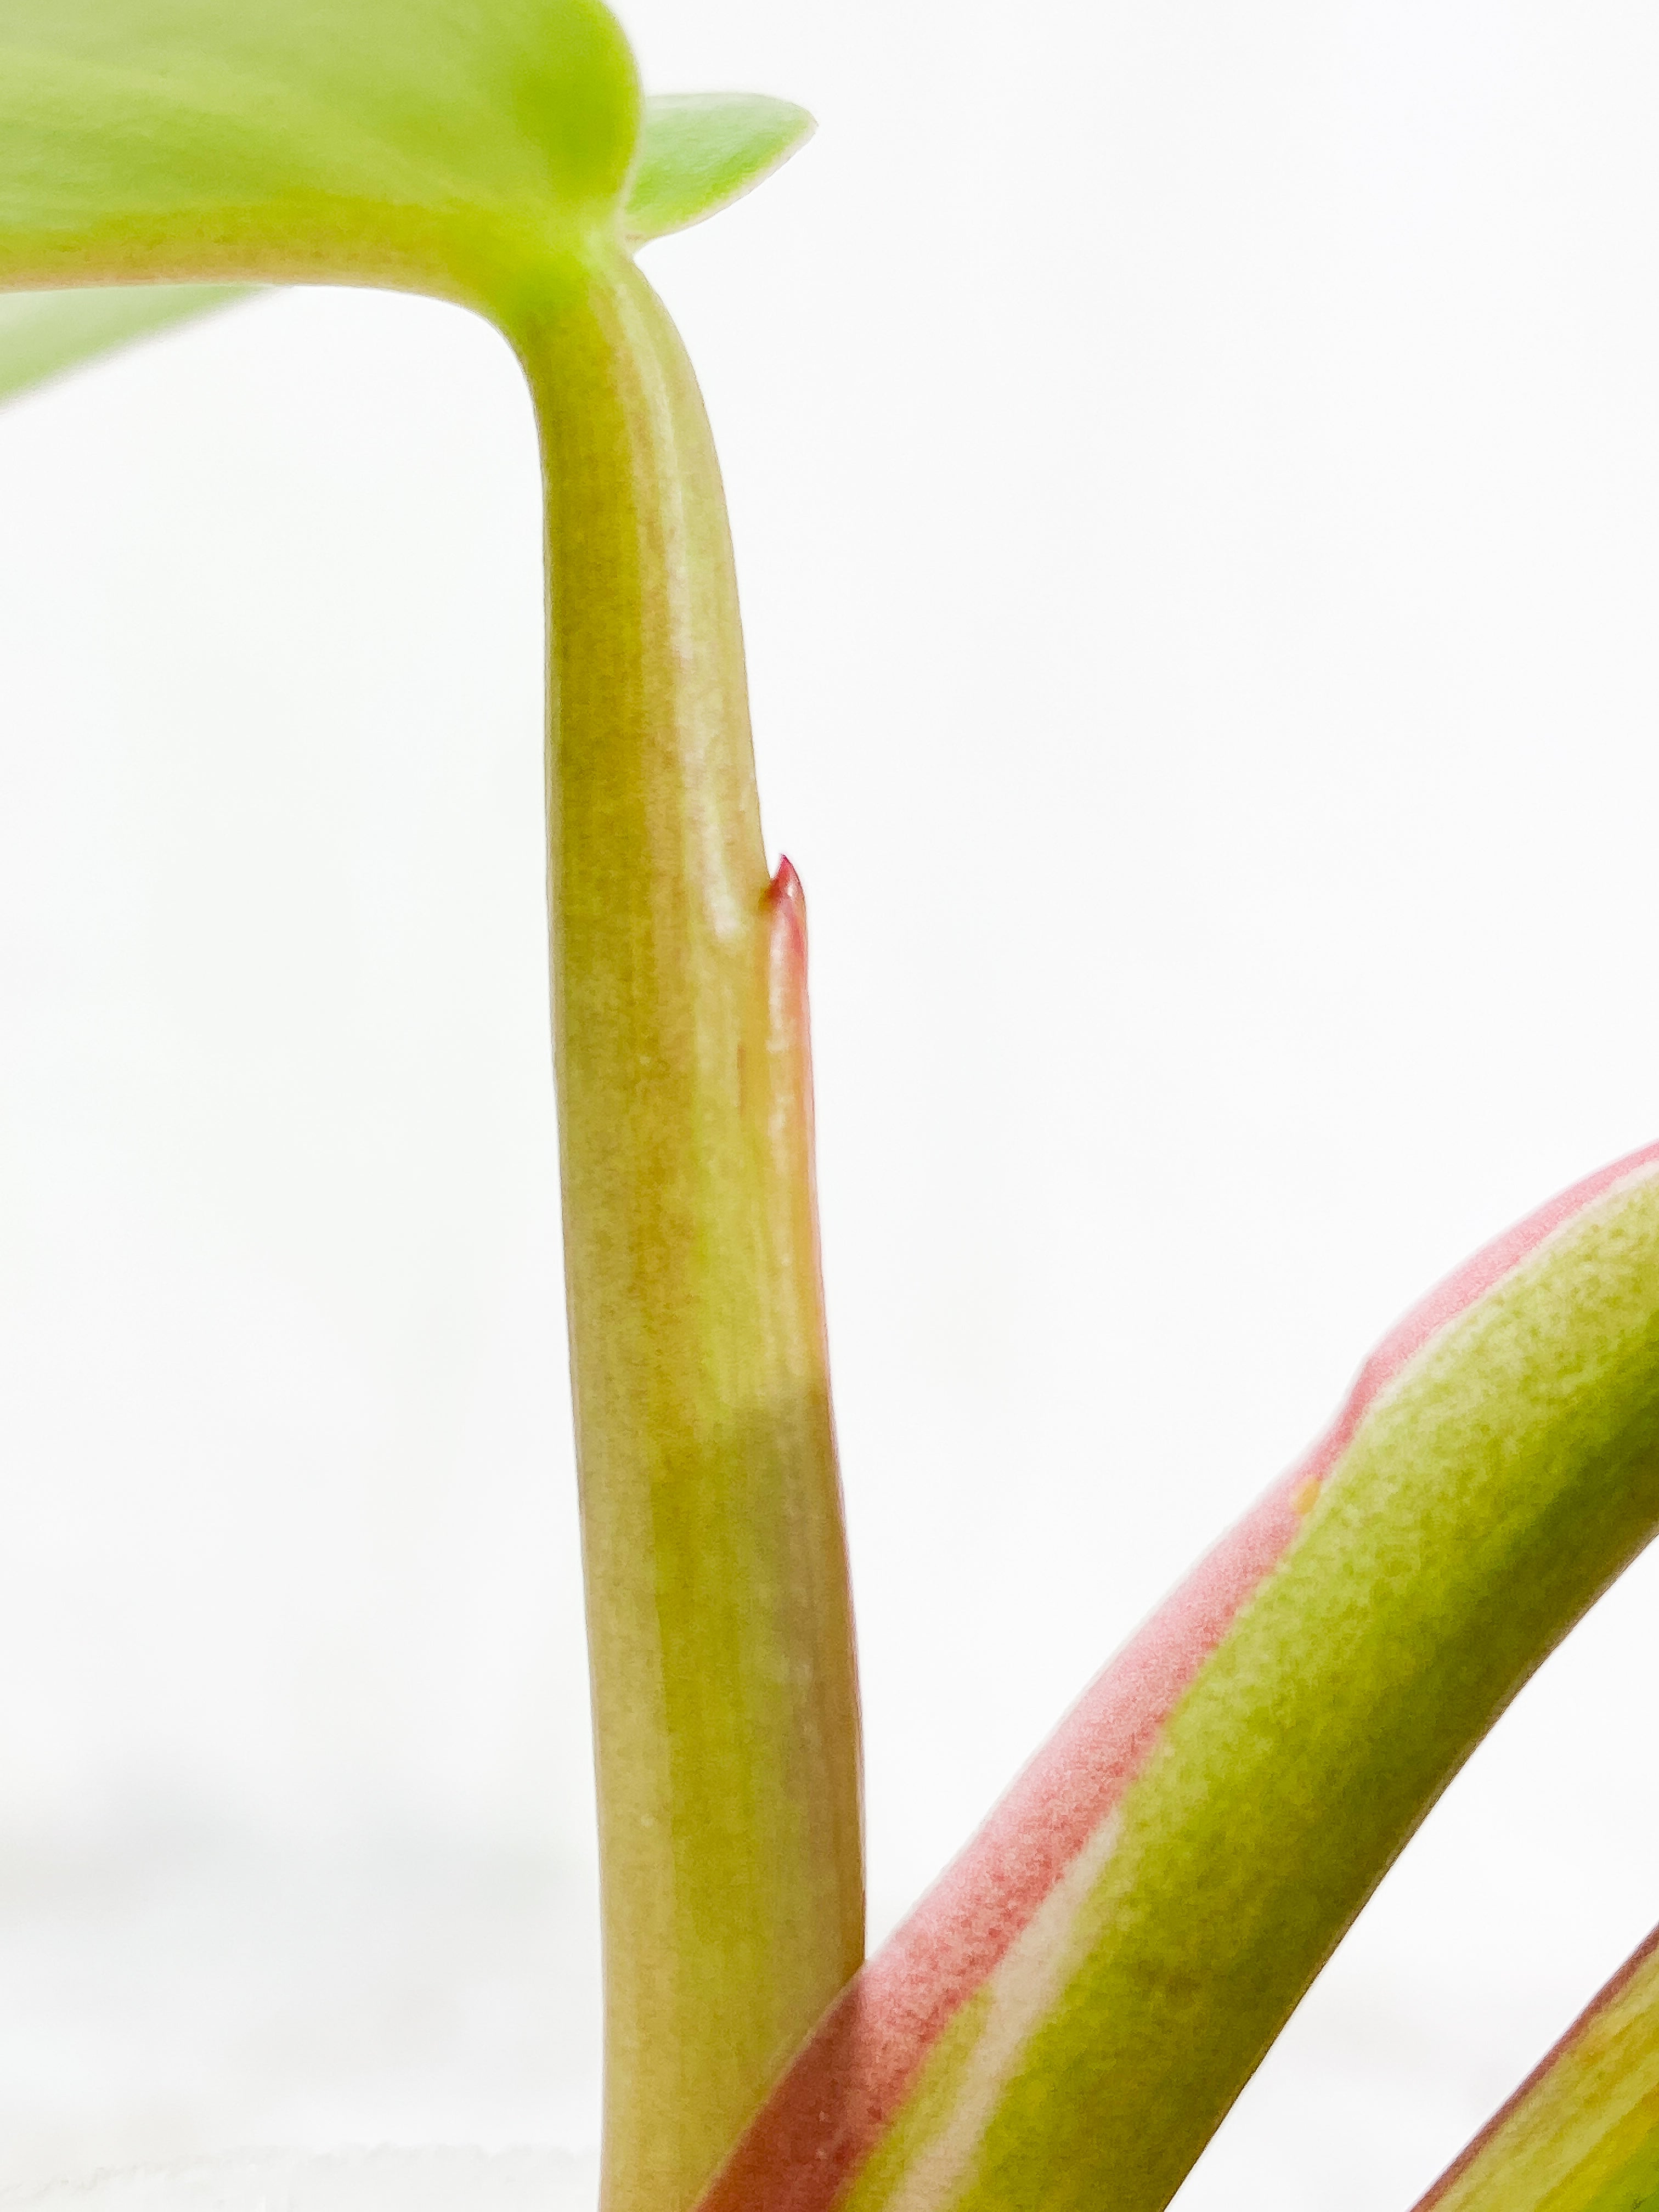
1457,1294
848,2081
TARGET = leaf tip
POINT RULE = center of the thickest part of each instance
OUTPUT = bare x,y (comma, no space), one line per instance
699,151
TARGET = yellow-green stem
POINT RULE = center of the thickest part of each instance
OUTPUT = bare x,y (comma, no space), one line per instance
719,1629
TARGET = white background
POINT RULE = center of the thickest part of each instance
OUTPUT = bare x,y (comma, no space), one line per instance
1195,475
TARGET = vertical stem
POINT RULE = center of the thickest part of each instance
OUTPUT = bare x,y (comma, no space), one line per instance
719,1623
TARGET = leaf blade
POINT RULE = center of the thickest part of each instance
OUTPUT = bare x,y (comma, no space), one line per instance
43,334
400,142
700,151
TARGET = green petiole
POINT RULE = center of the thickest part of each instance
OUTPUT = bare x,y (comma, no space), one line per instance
719,1624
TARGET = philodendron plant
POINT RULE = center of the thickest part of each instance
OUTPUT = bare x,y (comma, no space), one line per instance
1066,2018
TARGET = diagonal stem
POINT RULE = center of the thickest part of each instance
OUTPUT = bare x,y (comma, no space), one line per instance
719,1623
1582,2132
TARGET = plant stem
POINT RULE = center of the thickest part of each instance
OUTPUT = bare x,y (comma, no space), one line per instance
720,1630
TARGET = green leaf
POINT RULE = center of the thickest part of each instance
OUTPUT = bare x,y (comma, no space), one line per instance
465,151
699,151
43,333
1582,2132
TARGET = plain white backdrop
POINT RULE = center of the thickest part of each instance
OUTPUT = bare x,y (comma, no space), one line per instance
1195,479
